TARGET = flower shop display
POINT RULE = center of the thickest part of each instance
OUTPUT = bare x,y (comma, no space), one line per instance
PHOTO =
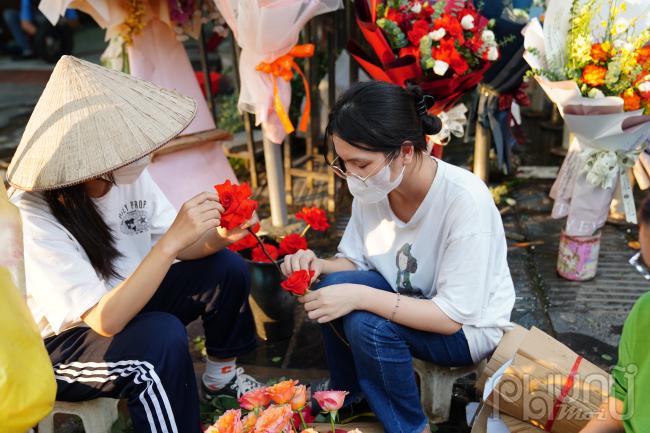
443,46
280,408
592,60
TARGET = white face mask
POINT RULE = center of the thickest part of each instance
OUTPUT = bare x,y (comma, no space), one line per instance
376,187
130,173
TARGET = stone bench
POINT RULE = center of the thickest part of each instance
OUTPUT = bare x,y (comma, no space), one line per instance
96,415
436,386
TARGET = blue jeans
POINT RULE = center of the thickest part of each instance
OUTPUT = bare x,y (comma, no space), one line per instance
378,362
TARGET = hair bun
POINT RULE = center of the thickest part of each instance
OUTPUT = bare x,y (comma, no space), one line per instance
431,124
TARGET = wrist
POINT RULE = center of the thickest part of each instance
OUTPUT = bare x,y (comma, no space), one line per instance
166,249
360,292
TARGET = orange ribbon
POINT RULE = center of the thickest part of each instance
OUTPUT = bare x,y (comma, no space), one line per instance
283,67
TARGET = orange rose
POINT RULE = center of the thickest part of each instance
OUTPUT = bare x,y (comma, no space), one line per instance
594,75
600,52
282,393
254,399
229,422
248,423
274,419
299,399
631,101
643,55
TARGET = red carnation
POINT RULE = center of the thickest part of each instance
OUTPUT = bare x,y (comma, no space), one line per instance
447,52
298,283
291,244
238,207
258,254
315,217
451,25
420,29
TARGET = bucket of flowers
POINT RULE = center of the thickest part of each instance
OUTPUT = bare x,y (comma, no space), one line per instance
265,253
592,58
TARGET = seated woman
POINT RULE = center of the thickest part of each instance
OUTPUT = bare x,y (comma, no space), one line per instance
113,273
421,269
625,410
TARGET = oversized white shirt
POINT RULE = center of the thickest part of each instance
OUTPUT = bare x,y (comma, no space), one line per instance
452,251
61,283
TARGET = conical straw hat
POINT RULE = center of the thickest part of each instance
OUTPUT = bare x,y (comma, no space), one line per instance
91,120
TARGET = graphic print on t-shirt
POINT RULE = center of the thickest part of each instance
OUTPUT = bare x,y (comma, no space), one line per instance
134,218
406,265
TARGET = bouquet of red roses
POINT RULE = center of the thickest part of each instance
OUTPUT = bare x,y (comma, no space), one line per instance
445,47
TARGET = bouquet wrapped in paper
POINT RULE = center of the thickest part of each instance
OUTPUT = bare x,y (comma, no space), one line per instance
593,60
443,46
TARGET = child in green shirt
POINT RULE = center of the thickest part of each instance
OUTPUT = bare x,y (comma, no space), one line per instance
628,409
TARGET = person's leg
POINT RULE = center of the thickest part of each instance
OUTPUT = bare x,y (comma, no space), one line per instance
148,363
12,19
215,288
383,355
337,351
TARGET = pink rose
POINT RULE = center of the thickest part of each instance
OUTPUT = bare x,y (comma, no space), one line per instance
330,401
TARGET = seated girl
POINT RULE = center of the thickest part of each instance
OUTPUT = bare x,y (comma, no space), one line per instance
113,272
421,269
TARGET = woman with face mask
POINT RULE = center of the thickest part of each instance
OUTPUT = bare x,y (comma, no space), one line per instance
113,271
421,269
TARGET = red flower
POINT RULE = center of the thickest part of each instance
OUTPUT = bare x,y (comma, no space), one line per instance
254,399
238,207
448,53
257,255
291,244
420,29
451,25
315,217
247,242
594,75
298,283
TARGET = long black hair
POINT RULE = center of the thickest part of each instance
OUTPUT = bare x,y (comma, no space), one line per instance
644,211
77,212
379,117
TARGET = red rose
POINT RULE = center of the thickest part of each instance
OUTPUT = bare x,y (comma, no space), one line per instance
452,27
298,283
291,244
238,207
447,52
247,242
315,217
258,254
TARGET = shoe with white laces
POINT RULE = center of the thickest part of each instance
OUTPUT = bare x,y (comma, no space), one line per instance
238,386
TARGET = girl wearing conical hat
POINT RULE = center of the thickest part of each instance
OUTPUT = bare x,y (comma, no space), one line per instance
113,272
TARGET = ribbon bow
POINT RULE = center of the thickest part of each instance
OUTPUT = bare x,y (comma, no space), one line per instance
283,67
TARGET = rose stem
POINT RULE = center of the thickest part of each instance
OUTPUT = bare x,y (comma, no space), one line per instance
304,232
302,420
266,253
332,415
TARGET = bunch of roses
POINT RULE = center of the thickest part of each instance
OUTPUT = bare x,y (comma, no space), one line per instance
315,218
277,409
446,37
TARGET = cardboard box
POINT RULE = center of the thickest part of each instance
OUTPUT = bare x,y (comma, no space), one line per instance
504,352
489,420
531,386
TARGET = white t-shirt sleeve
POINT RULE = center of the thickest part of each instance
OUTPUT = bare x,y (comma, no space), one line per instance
163,214
60,277
351,246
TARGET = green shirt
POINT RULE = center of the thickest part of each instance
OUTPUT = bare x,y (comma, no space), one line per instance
632,373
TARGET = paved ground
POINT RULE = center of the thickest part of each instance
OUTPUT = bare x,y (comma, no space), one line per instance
587,316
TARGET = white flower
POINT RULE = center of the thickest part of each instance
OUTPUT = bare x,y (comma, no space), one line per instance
467,22
620,26
440,67
416,8
436,35
595,94
488,36
493,53
645,86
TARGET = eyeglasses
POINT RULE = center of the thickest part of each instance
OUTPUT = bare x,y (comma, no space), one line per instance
343,174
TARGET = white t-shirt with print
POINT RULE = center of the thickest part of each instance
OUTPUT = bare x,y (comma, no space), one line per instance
61,282
452,251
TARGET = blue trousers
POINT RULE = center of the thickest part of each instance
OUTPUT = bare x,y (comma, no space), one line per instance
377,364
148,362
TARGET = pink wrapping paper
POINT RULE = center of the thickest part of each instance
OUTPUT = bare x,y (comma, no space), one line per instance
157,56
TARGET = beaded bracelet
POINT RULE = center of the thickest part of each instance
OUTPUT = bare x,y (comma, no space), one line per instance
396,308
